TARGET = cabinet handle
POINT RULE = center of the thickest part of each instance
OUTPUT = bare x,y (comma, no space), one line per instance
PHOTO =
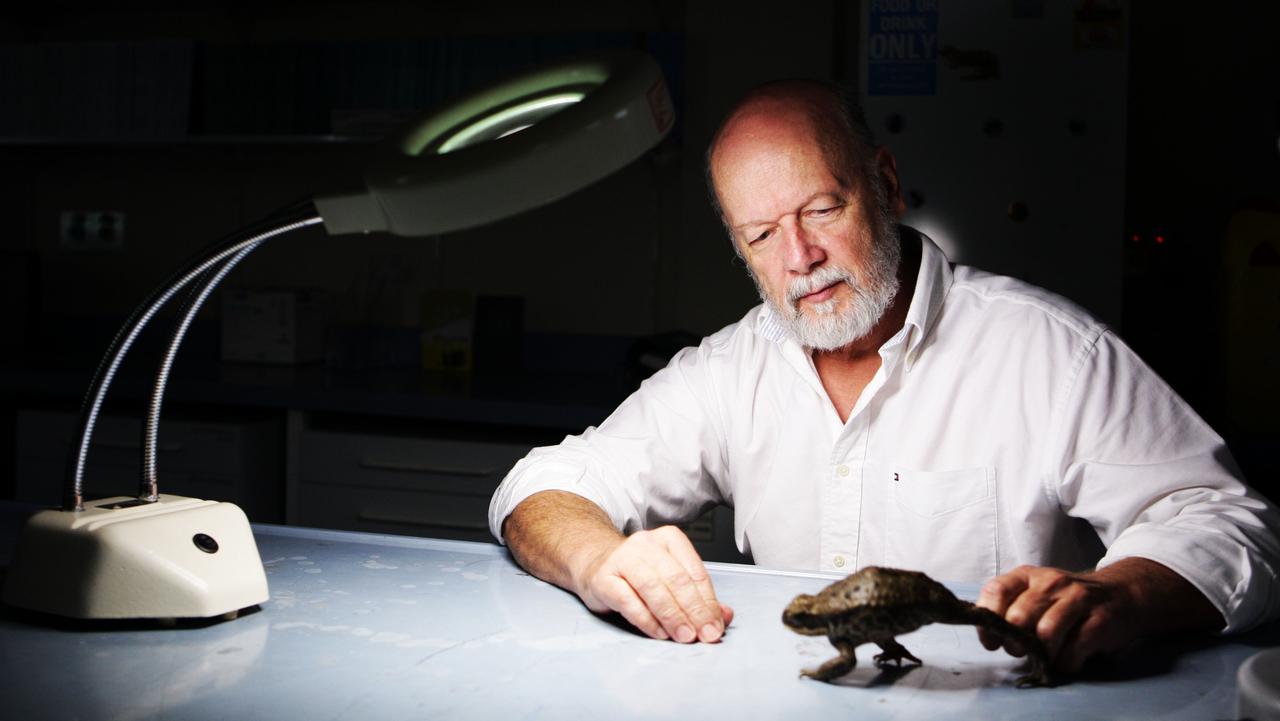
381,465
406,521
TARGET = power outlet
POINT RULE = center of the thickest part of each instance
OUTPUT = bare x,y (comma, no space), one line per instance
92,231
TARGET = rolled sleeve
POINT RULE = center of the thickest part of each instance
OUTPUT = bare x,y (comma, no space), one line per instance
1156,482
1222,565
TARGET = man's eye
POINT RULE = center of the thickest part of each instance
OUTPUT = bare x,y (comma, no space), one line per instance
762,235
821,212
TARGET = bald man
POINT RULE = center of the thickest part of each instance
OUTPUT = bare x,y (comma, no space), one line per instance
883,406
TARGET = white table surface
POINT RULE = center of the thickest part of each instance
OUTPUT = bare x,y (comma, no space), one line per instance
363,626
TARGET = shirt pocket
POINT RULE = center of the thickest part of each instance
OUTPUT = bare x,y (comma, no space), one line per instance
942,523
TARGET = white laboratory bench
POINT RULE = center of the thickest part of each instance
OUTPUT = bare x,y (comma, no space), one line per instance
367,627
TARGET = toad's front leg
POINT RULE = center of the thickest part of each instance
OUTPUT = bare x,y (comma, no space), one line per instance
838,666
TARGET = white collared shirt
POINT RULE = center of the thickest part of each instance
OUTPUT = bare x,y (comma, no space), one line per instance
1005,426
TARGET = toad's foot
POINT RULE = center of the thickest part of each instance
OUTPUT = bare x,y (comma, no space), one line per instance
1038,676
894,652
838,666
831,670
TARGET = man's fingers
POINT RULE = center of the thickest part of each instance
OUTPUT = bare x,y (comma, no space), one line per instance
618,595
1095,634
705,610
1058,622
989,640
1000,591
626,582
657,581
1026,610
997,595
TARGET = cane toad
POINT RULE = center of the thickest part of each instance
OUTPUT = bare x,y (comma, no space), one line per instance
877,604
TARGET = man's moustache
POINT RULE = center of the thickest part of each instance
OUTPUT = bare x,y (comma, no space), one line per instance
814,282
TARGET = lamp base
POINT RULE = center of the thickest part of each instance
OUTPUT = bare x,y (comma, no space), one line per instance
123,558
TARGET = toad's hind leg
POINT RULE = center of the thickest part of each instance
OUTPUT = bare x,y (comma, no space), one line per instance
838,666
894,652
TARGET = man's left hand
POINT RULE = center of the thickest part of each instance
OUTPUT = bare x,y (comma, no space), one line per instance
1079,615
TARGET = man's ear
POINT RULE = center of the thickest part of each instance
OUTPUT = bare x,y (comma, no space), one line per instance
888,168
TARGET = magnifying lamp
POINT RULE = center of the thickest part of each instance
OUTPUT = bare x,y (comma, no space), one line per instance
517,145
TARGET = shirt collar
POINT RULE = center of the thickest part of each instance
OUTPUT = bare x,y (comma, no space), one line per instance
933,282
769,327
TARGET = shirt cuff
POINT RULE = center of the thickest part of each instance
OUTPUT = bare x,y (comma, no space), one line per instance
1239,584
535,478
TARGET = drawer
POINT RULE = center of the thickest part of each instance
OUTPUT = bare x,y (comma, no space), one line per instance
460,516
406,464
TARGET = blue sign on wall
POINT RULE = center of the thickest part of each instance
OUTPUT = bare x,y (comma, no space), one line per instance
902,47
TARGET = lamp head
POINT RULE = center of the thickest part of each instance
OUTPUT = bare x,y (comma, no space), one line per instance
512,147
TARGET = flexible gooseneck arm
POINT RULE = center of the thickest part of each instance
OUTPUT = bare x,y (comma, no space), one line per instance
150,489
233,247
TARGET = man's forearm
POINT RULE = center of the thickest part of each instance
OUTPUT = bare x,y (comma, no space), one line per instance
555,535
1166,601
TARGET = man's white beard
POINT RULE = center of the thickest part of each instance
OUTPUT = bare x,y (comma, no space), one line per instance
824,328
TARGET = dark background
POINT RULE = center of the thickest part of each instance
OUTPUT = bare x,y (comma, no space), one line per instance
195,119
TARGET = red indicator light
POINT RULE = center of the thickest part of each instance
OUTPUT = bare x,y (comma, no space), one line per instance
1136,238
1160,240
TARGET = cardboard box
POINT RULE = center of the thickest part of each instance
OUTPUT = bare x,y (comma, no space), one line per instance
261,325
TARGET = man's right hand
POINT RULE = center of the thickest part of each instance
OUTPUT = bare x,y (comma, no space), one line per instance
656,580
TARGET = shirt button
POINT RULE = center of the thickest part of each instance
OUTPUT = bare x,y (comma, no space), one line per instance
842,469
838,561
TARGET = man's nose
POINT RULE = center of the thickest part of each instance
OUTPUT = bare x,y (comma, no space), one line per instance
801,252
